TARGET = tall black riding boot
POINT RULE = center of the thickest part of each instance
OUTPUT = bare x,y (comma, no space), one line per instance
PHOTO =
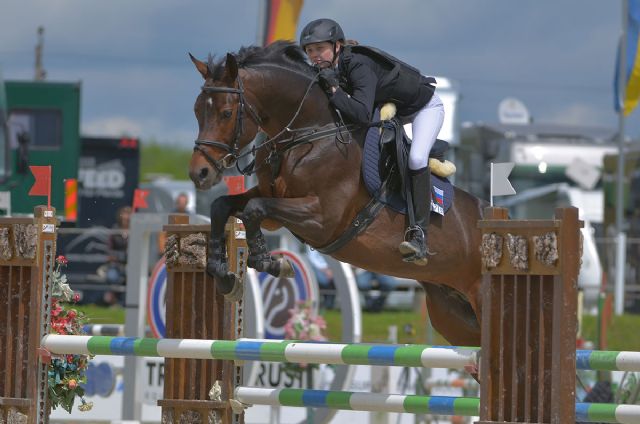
414,248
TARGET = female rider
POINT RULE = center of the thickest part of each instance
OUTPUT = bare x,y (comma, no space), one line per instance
357,79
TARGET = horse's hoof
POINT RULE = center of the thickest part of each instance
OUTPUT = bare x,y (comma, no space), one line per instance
237,291
226,283
286,269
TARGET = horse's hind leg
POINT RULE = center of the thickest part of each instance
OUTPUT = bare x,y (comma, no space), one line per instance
452,315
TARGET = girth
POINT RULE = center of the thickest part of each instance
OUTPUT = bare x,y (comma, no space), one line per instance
358,225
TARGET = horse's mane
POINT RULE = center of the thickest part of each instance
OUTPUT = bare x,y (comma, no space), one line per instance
281,53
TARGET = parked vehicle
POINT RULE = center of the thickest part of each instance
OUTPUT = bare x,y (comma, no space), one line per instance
555,166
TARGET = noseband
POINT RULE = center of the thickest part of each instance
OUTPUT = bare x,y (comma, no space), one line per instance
233,152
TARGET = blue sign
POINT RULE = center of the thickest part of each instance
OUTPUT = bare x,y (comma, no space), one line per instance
101,379
156,303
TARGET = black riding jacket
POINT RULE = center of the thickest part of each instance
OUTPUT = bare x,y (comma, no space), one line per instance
367,81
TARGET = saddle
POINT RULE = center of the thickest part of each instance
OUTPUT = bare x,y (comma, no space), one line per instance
385,173
384,166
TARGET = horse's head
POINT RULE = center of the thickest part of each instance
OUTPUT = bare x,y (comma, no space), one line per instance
223,130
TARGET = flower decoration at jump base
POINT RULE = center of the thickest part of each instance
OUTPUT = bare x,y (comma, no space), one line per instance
303,325
66,372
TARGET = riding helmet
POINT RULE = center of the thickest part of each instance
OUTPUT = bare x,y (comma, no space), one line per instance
321,30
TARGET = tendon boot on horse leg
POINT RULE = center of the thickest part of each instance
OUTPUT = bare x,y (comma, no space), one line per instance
260,259
414,249
217,266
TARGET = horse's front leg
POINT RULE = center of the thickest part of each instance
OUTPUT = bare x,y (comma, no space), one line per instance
299,215
221,209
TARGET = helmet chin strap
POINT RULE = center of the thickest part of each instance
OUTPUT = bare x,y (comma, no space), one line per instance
319,64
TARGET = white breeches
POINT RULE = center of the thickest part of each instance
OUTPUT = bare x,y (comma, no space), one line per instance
424,130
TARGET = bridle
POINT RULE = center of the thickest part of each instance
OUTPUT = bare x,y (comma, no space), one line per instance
233,151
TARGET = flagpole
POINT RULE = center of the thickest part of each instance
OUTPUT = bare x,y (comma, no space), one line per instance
491,186
262,25
621,235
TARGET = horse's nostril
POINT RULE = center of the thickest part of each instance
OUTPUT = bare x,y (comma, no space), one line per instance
203,173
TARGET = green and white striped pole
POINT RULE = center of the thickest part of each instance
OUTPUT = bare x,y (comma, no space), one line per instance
312,353
266,350
413,404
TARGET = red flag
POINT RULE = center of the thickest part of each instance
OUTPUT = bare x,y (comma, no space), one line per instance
42,185
235,184
140,199
71,199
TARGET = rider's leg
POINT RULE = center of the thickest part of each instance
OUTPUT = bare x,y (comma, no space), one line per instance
426,127
414,248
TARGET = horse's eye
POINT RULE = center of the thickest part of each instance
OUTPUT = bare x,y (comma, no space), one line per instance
227,114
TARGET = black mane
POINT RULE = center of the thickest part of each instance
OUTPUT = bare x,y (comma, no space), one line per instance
279,53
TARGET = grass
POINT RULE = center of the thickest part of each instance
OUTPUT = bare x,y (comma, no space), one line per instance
375,327
103,315
623,332
162,159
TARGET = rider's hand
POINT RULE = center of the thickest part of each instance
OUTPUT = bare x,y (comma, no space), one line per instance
328,79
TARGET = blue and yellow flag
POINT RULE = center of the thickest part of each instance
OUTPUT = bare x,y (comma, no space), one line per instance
632,88
281,20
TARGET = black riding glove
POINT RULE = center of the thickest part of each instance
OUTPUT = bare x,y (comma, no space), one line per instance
328,79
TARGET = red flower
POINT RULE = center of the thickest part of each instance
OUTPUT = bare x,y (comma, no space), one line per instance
55,311
71,314
76,297
58,327
61,260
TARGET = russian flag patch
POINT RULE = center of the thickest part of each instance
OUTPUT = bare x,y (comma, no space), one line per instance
437,200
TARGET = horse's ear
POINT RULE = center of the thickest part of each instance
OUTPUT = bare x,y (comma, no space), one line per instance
231,67
200,66
295,52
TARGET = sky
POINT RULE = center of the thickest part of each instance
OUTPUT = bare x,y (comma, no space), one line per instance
556,56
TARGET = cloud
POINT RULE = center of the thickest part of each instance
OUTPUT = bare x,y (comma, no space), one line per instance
132,56
146,129
112,126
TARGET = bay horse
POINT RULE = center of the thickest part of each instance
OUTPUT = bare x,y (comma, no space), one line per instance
310,182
